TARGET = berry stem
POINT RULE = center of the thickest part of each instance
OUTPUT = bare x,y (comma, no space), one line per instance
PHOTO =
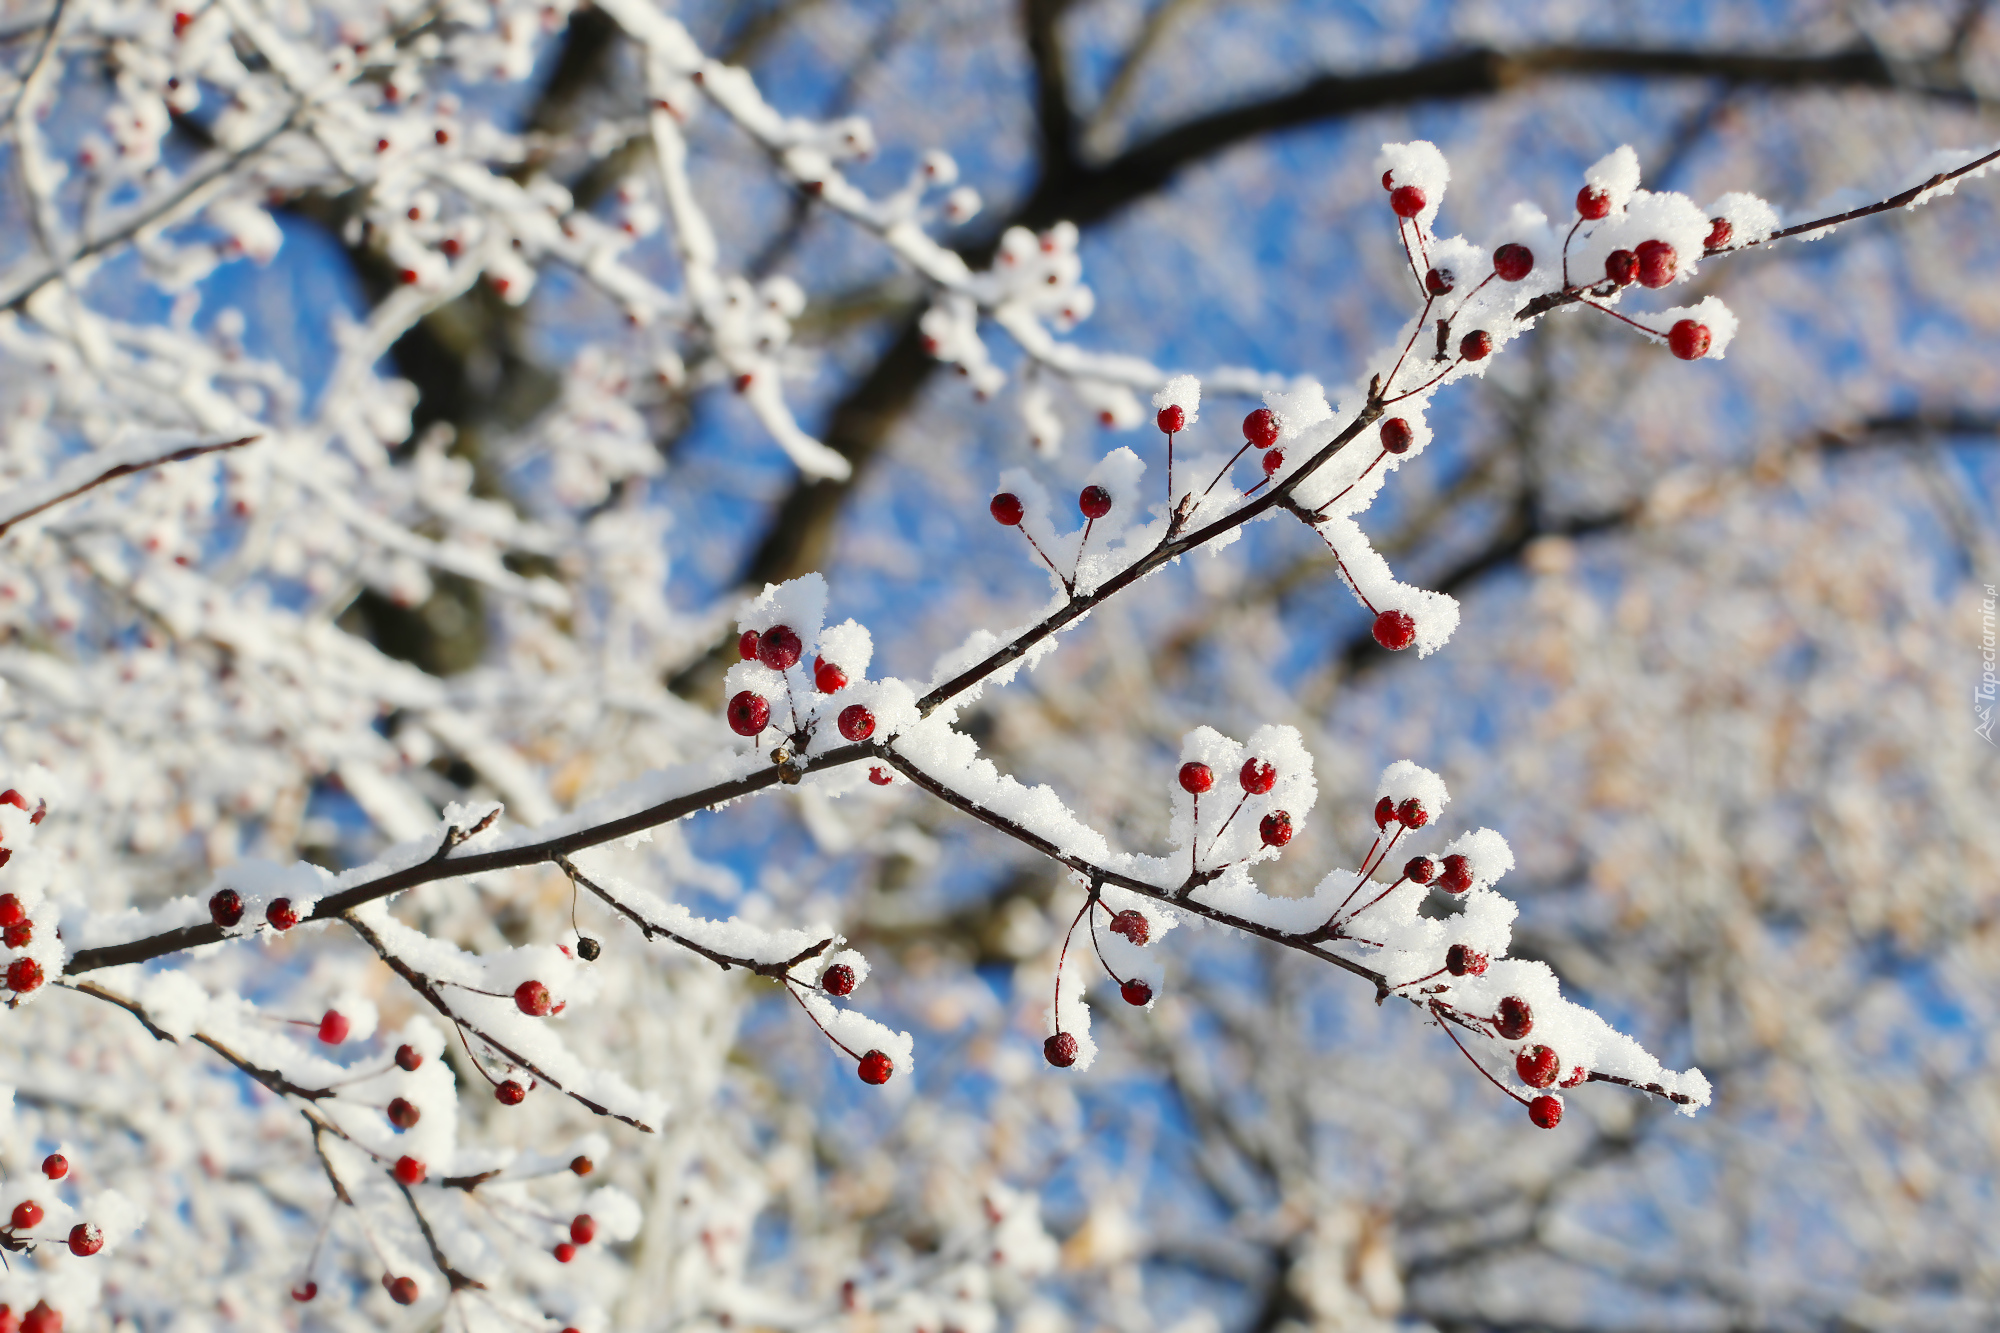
1428,383
1217,837
1566,240
1225,469
1356,482
1390,382
1062,959
1438,1010
791,989
1068,586
1098,945
1615,315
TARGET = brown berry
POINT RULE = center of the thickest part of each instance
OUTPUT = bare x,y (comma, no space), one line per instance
1060,1050
1515,1019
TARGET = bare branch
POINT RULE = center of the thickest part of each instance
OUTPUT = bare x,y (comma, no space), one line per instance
30,500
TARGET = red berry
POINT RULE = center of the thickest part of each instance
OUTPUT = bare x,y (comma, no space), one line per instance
1688,340
856,722
281,914
1385,810
879,776
1476,345
44,1318
839,980
1439,281
27,1215
1621,267
1576,1076
1407,201
1007,508
532,999
1273,461
1257,777
403,1114
85,1239
1412,813
334,1027
1419,869
407,1058
410,1171
1137,993
876,1068
1719,232
582,1166
20,936
305,1291
226,908
13,798
1133,926
23,975
1060,1050
1516,1020
1457,874
1461,960
779,648
1513,262
749,713
583,1229
1172,419
11,911
828,678
1388,177
442,135
1546,1112
1275,828
1095,502
744,381
1397,437
1593,203
510,1093
6,855
409,277
1656,263
1196,777
565,1252
402,1290
1261,428
1395,630
55,1166
746,645
1537,1066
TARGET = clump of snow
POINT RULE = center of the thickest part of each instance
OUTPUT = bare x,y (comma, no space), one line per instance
1184,392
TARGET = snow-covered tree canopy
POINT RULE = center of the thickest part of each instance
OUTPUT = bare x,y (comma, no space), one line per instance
631,630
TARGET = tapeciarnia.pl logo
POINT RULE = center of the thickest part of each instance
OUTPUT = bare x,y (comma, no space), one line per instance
1982,695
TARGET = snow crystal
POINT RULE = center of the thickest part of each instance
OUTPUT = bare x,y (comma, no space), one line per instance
1184,392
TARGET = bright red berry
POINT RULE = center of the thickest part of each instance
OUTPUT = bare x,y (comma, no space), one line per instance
744,381
1060,1050
410,1171
746,645
532,999
1621,267
281,914
839,980
1172,419
1456,877
403,1114
1136,993
27,1215
510,1093
749,713
407,1058
44,1318
19,936
828,678
779,648
1516,1020
565,1252
1007,508
879,776
1593,203
1196,777
1719,232
402,1290
1095,502
1407,201
1395,630
1546,1112
85,1239
1656,263
1257,777
23,975
1273,461
55,1166
1462,960
583,1228
1275,828
334,1027
1385,810
582,1166
11,911
1537,1066
1261,428
305,1291
1388,179
1397,435
1688,340
226,908
1412,813
1576,1076
13,798
856,722
1419,869
876,1067
1513,262
1439,281
1476,345
1133,926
